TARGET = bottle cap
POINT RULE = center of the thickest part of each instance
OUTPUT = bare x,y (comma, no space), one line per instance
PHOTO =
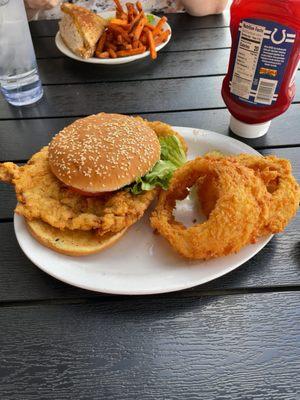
249,131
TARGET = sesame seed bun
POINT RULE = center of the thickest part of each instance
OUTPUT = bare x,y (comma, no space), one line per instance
72,243
103,152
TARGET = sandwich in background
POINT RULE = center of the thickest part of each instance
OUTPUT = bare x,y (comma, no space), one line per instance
80,29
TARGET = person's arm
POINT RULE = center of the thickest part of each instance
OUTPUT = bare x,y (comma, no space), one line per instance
41,4
34,6
200,8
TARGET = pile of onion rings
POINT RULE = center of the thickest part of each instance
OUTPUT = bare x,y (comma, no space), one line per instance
276,173
243,197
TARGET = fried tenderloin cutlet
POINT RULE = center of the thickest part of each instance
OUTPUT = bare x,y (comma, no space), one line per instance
42,196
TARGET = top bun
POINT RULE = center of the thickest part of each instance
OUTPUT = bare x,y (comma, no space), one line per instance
103,152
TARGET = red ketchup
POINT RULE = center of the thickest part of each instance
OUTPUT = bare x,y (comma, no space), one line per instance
260,82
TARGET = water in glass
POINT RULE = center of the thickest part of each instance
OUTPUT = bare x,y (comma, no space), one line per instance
19,79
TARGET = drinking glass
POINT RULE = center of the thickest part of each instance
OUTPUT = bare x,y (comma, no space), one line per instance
19,78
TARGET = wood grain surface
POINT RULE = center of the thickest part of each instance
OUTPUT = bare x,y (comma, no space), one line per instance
122,97
167,65
137,97
216,347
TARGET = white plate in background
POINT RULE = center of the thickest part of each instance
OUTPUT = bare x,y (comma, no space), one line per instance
109,61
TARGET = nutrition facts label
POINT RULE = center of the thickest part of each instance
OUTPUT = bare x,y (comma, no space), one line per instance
250,42
263,52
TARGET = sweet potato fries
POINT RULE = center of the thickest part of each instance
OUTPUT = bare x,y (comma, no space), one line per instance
131,33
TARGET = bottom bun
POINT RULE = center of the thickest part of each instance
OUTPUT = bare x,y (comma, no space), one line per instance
72,243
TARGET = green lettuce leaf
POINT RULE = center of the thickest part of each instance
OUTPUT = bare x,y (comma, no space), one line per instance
151,19
172,150
172,157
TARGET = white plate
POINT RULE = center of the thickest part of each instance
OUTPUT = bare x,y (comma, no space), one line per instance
141,262
122,60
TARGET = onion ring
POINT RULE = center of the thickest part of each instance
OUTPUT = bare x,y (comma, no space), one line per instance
277,175
238,215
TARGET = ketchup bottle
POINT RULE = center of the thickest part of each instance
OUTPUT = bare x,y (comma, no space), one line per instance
260,82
